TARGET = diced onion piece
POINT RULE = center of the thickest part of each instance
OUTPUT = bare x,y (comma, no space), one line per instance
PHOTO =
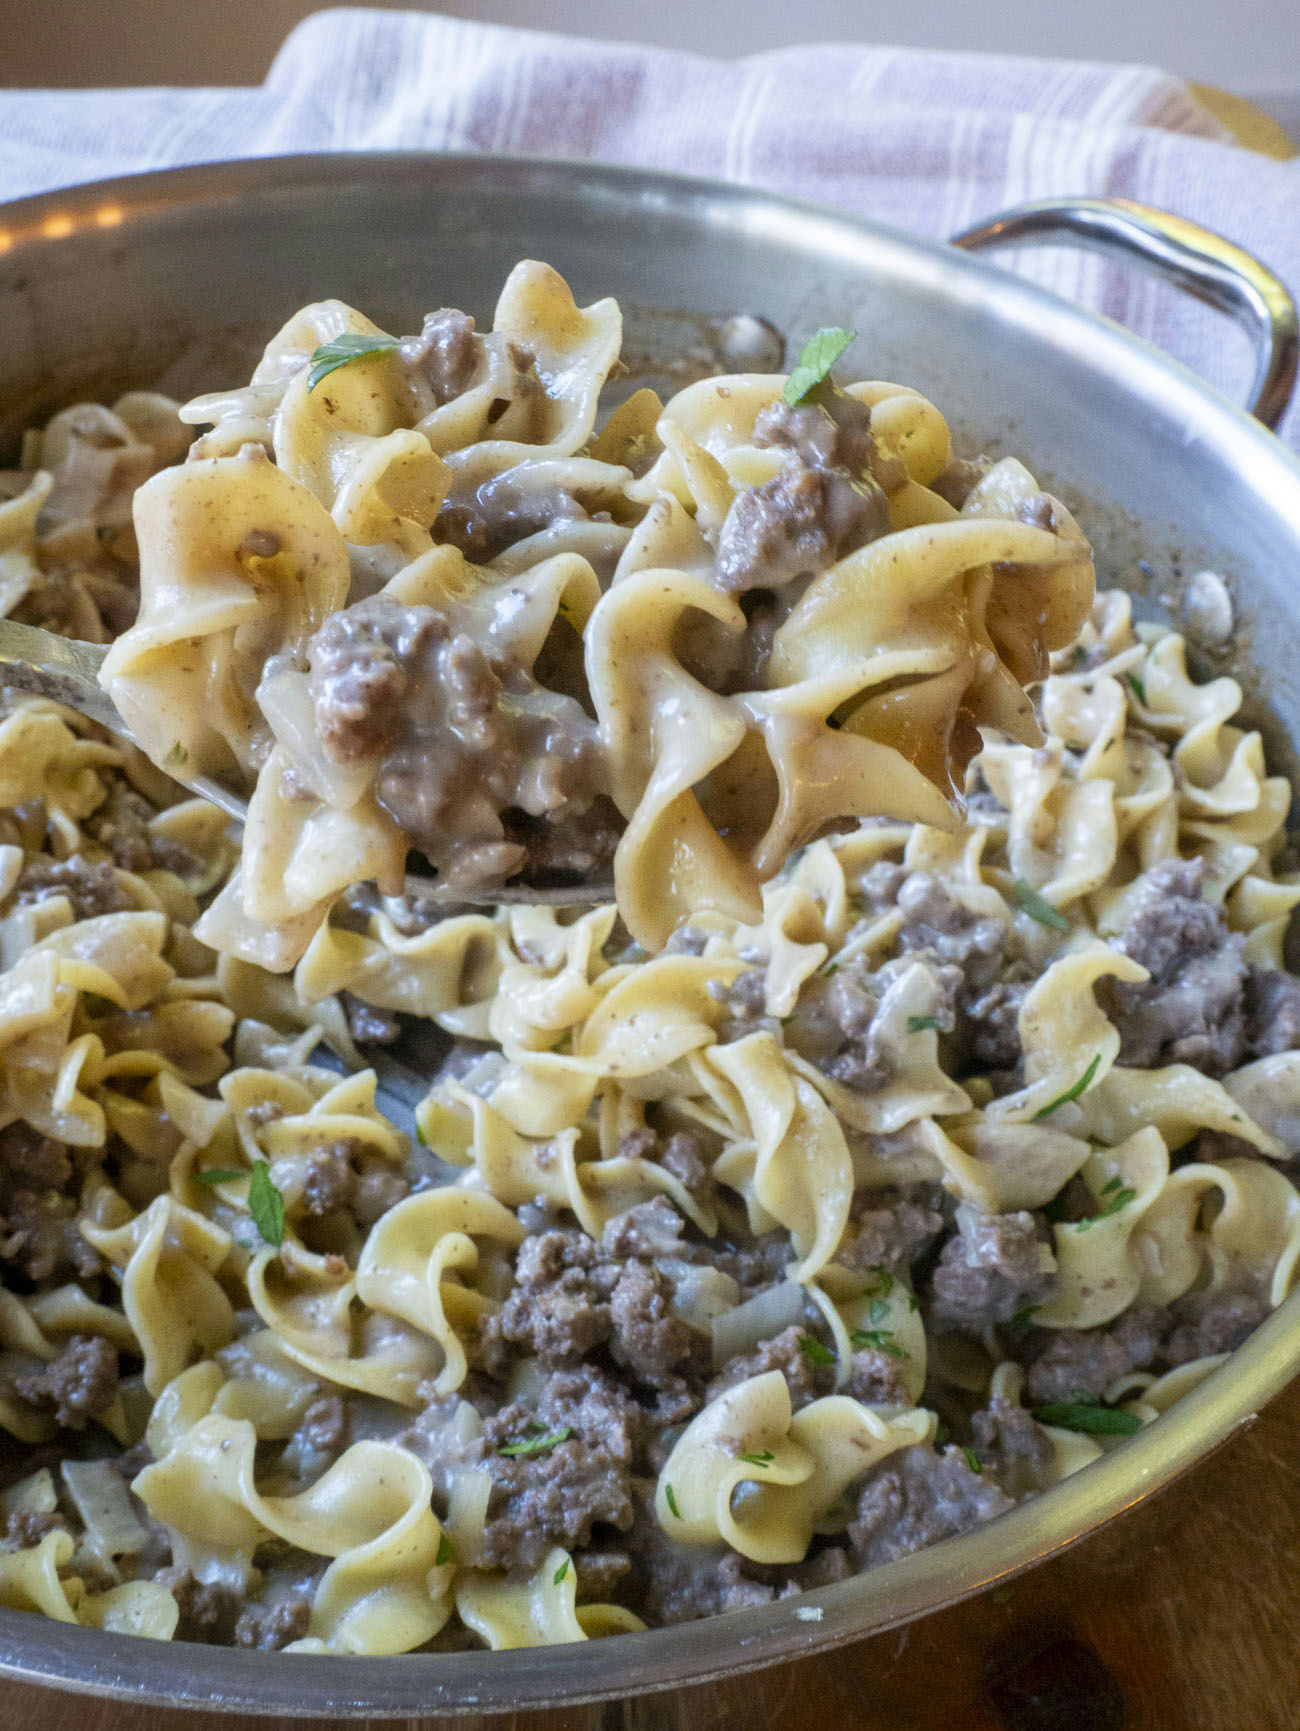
99,1494
759,1318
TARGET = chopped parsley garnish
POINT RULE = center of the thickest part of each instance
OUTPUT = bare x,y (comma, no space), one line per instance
878,1313
818,355
266,1204
972,1459
218,1175
882,1282
445,1552
671,1499
1114,1204
828,969
881,1339
1114,1184
420,1136
763,1458
536,1445
920,1024
560,1573
1139,690
1071,1093
351,346
1022,1317
565,1042
1030,902
177,754
814,1351
1078,654
1090,1417
942,1435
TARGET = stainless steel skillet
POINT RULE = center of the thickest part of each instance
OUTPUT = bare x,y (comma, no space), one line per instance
188,271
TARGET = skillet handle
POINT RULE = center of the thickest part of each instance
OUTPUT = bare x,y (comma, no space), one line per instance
1193,258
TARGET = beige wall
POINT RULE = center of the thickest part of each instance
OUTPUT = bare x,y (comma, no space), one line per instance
1251,45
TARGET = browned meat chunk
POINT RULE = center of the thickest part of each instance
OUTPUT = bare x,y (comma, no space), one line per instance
208,1611
27,1527
917,1497
1086,1361
823,504
32,1161
648,1339
91,887
783,1352
1010,1445
556,1493
270,1627
558,1306
441,362
651,1229
40,1238
457,739
890,1236
875,1377
79,1384
329,1182
1272,1012
1192,1010
988,1270
1208,1323
958,480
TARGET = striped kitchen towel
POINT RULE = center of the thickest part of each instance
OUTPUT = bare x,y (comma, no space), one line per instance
930,142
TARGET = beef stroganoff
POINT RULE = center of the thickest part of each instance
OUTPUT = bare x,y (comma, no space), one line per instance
920,1123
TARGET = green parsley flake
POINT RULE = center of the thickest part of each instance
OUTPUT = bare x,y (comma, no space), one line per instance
445,1552
972,1459
879,1338
266,1205
878,1313
882,1282
763,1458
818,355
1139,690
536,1445
218,1175
1030,902
177,754
1090,1417
420,1136
942,1435
814,1351
1071,1093
351,346
921,1024
671,1499
1022,1317
560,1573
1114,1204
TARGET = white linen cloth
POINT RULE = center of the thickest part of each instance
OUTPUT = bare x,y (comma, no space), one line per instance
929,142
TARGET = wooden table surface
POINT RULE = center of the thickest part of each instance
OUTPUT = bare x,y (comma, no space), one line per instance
1182,1616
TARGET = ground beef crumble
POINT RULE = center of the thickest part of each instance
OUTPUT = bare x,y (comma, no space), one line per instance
80,1384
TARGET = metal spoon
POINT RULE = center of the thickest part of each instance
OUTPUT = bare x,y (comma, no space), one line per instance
67,671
